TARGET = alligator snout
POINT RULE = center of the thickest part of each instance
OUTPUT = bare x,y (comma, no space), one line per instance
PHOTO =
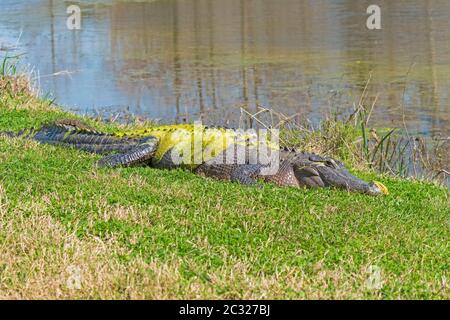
377,188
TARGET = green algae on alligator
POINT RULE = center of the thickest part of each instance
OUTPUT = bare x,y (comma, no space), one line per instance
225,154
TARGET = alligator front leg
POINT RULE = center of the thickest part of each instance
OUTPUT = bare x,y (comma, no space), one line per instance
141,154
308,177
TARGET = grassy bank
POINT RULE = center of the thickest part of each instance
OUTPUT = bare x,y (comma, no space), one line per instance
68,230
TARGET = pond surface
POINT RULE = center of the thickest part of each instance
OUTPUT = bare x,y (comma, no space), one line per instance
184,60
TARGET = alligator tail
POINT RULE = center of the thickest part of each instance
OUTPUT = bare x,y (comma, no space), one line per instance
74,135
93,142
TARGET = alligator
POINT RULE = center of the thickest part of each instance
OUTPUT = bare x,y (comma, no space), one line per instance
172,146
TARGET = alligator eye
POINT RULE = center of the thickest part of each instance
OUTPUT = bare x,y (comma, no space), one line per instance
331,163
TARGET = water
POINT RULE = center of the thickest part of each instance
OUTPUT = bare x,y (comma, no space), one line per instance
184,60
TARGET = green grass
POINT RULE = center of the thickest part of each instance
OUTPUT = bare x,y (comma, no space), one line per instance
148,233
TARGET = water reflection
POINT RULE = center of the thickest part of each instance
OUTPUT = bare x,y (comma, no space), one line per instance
181,60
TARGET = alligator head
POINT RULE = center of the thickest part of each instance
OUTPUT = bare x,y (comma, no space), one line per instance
315,171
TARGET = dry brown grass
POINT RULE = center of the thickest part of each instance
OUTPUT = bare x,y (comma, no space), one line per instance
18,85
